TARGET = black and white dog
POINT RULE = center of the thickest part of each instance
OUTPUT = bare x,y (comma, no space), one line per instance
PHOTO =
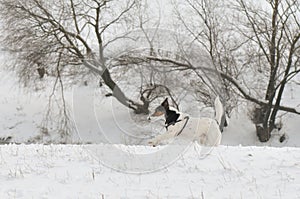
206,131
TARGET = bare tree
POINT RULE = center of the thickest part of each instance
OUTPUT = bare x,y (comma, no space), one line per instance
275,34
151,39
246,44
242,39
73,33
206,24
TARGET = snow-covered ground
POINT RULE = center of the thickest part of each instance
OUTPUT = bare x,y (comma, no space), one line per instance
64,171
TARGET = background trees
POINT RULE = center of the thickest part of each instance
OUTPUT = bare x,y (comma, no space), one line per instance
250,50
254,47
272,32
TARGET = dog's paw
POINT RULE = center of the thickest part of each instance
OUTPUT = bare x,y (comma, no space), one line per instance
152,142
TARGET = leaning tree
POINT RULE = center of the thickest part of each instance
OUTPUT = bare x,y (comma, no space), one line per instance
67,35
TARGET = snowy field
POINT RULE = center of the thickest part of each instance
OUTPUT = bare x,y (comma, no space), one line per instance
64,171
36,165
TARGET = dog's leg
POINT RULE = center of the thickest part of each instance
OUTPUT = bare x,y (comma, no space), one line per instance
160,138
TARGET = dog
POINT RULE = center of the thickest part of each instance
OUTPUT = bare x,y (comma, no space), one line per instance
206,131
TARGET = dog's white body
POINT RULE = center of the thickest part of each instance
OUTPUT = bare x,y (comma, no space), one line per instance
206,131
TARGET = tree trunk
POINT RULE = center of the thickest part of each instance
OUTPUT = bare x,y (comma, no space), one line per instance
263,133
261,121
120,96
265,127
139,108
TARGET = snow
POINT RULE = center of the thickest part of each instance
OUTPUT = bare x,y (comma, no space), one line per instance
70,171
119,164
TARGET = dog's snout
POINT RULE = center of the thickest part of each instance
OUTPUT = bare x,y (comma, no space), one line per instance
149,118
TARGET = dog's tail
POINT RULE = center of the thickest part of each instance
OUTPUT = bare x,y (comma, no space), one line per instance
220,116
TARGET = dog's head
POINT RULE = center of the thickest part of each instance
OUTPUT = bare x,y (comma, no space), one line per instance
161,109
171,116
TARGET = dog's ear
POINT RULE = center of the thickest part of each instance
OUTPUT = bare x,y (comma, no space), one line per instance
165,104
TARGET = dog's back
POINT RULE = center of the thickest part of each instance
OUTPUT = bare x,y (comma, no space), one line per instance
204,130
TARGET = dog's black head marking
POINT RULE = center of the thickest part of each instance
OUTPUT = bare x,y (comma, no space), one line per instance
165,104
171,116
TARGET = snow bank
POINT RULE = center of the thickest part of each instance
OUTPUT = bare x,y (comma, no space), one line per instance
67,171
